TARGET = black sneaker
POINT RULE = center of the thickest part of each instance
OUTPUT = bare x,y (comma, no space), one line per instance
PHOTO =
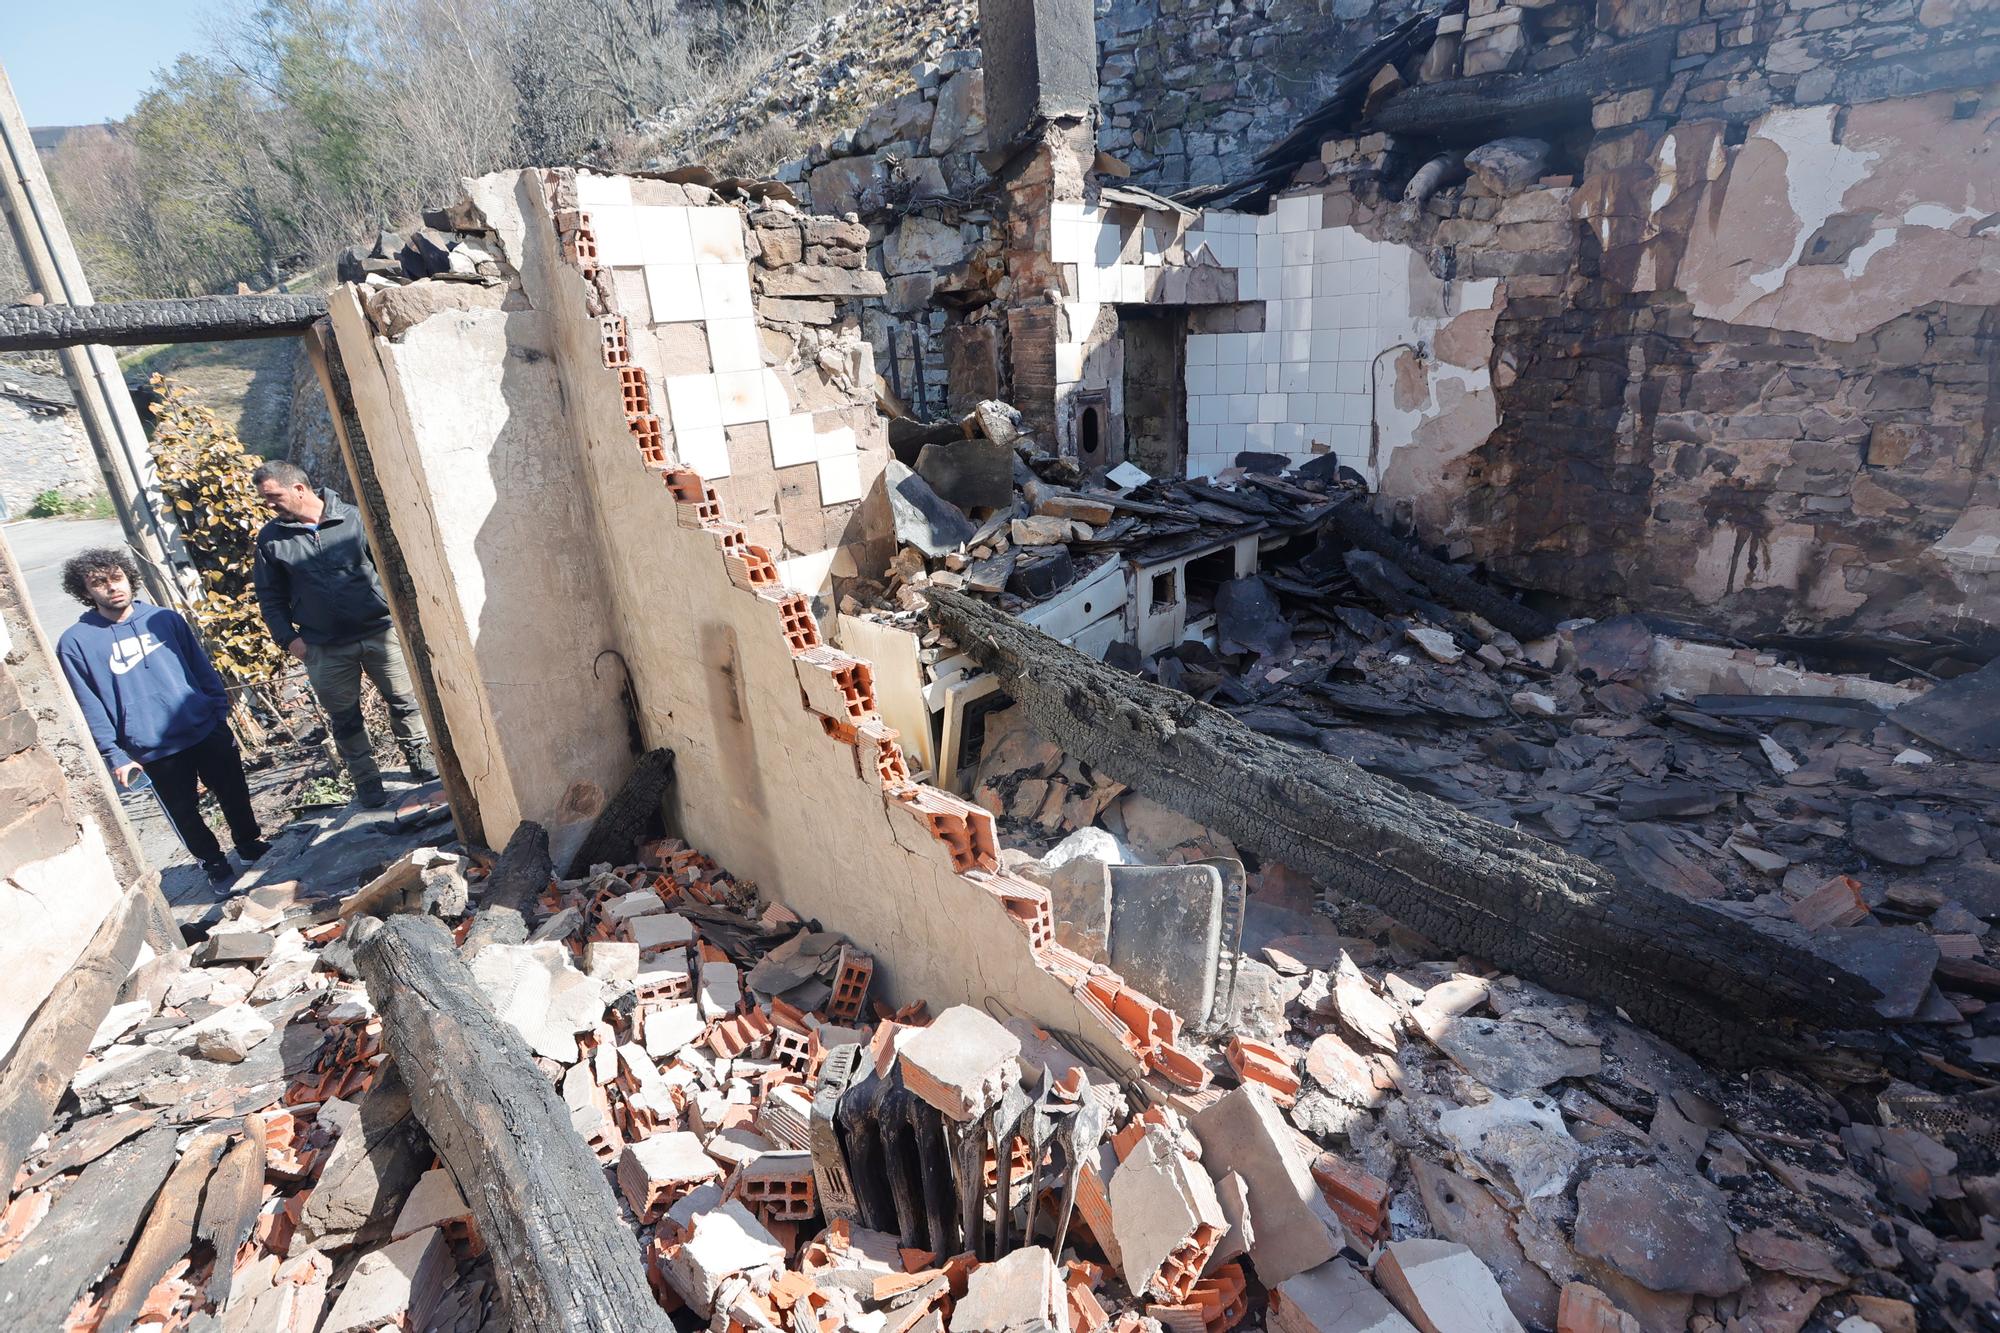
252,851
219,870
371,795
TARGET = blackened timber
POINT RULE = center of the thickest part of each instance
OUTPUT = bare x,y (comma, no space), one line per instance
1359,527
628,817
519,877
185,319
563,1257
1695,976
53,1044
1514,103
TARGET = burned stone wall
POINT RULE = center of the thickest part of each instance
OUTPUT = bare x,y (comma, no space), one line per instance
1192,90
1742,345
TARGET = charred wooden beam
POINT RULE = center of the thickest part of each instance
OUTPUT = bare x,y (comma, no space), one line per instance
1359,527
561,1253
52,1045
523,871
628,817
1695,976
1516,102
186,319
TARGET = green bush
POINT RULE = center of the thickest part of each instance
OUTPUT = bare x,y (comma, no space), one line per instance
53,503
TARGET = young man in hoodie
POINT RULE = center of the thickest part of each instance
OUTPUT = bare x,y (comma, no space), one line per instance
323,604
154,703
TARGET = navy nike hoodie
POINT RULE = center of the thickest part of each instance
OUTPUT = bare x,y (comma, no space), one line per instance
146,687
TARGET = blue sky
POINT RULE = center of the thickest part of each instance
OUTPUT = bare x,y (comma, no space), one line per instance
74,62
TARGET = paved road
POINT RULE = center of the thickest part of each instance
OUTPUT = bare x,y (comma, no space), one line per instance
40,546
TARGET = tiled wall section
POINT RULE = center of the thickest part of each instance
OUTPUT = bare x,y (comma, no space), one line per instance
721,407
1334,303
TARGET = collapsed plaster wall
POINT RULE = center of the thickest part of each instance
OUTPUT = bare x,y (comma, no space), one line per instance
65,856
786,772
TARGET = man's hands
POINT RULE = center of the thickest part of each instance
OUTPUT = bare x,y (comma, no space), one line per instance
126,774
297,648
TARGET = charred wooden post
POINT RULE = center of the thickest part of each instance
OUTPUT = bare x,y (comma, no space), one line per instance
43,328
523,871
1695,976
562,1255
628,817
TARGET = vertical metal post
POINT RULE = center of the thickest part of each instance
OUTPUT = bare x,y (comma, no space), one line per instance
116,433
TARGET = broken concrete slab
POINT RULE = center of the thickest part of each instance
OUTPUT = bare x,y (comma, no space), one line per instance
1462,1210
961,1062
923,518
1335,1297
1160,1200
1296,1228
1166,933
1666,1229
398,1285
1020,1293
720,1244
1441,1287
1520,1144
970,474
1514,1058
229,1035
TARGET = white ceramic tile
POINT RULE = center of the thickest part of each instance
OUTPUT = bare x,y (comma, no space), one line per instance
1326,311
840,442
594,191
1269,252
740,396
733,345
1295,377
705,449
717,234
663,235
674,293
1295,281
1107,242
725,290
1201,438
1296,345
1297,314
1259,435
1201,379
1289,437
1243,408
1298,213
692,403
1066,212
1231,437
1355,407
1295,248
1232,349
792,440
616,231
1272,370
1201,348
1270,407
1350,377
1232,378
1357,344
840,479
1135,282
777,395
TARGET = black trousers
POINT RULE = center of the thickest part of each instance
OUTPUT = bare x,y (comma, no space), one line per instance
214,761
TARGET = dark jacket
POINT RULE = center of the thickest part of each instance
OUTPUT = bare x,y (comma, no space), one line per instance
318,583
145,686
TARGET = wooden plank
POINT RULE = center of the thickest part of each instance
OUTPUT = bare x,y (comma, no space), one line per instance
229,1209
168,1233
562,1256
85,1233
1700,978
899,682
53,1044
519,877
44,328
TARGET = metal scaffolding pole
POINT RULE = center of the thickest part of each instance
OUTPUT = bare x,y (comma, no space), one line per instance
116,434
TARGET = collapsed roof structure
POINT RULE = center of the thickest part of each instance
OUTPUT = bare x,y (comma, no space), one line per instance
1148,838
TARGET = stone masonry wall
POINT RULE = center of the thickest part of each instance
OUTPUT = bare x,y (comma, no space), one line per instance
42,446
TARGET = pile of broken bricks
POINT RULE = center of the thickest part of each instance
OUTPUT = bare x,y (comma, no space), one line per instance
1376,1141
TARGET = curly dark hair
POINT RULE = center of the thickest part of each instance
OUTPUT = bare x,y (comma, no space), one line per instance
79,567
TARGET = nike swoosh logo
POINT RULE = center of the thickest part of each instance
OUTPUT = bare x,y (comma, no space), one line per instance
128,653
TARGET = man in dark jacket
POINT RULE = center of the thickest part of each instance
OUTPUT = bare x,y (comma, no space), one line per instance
155,704
321,599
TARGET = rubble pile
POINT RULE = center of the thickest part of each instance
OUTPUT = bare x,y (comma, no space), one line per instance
858,57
